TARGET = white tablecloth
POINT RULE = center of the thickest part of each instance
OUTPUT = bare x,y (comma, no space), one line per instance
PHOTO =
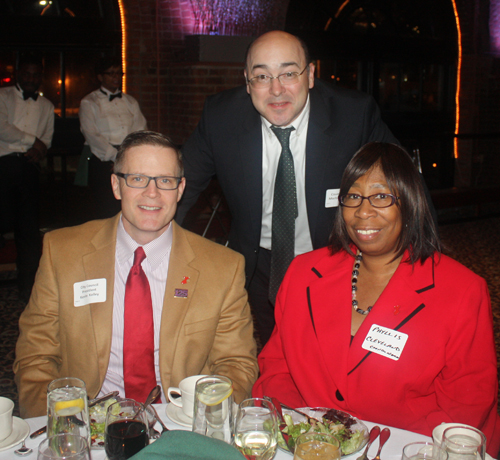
392,449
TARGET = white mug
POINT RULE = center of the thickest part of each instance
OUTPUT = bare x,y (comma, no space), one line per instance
6,408
186,391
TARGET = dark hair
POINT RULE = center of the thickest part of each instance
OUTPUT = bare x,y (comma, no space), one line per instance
419,234
302,44
105,63
30,59
139,138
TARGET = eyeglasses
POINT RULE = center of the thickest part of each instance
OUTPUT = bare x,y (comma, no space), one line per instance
379,200
141,181
114,74
287,78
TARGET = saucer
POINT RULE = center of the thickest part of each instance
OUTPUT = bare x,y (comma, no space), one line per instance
175,414
20,431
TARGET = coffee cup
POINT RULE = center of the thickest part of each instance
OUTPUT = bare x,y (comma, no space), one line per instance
183,395
6,408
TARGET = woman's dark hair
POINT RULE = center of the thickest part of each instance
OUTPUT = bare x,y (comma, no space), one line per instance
419,234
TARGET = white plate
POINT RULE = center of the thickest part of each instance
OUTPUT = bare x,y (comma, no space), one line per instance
176,414
318,412
20,431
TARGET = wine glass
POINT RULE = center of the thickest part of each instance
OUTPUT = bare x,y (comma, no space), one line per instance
256,429
64,446
317,446
126,430
464,443
424,451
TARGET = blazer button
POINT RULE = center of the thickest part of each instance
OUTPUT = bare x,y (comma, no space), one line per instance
339,396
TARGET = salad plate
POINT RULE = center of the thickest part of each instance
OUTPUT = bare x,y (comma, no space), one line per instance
351,432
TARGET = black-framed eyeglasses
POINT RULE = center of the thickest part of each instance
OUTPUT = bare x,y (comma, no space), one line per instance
379,200
287,78
114,74
142,181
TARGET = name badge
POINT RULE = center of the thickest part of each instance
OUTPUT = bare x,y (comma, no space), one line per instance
332,198
90,291
385,342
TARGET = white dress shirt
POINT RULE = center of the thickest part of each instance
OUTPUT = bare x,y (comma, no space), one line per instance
22,121
106,123
155,266
271,152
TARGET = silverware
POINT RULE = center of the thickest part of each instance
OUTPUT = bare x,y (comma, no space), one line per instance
23,451
284,406
152,396
91,403
384,436
159,419
374,432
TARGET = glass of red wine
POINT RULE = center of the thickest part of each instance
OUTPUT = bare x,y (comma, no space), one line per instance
126,431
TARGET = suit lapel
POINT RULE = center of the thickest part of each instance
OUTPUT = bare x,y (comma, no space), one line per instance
250,152
318,156
176,307
100,263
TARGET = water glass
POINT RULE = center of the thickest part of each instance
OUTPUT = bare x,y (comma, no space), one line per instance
64,446
126,430
464,443
213,408
317,446
256,429
67,408
424,451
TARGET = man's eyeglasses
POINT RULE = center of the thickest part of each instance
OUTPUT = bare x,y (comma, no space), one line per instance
114,74
141,181
379,200
287,78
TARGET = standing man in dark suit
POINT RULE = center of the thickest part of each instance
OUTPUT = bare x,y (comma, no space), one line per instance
240,140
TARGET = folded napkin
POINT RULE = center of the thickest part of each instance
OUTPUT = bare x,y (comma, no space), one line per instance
186,445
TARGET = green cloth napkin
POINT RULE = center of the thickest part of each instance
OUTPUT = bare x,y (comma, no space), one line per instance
186,445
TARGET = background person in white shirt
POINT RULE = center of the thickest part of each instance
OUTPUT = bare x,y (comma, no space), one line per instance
107,116
26,129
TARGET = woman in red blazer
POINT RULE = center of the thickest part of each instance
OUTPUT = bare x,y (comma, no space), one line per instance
380,324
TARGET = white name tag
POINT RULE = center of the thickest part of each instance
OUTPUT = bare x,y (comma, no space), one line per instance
385,342
90,291
332,198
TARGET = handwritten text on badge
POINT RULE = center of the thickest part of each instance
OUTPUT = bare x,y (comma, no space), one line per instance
332,198
90,291
385,342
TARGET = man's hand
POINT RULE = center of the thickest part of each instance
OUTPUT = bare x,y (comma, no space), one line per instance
37,151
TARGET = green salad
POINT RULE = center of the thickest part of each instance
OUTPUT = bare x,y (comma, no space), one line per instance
350,440
97,415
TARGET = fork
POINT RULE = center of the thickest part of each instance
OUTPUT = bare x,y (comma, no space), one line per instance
374,432
384,436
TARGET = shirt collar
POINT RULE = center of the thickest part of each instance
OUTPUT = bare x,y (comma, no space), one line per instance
300,123
155,250
108,93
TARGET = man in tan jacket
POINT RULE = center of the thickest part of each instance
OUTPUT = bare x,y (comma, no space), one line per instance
74,323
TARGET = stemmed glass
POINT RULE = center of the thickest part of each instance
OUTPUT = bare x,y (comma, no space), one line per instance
256,429
126,431
424,451
64,446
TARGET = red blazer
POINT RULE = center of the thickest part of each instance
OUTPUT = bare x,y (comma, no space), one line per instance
447,371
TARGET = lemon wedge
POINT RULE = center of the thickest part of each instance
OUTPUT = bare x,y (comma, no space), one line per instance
72,407
215,393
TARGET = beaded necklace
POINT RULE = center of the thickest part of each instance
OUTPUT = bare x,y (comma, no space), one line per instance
354,284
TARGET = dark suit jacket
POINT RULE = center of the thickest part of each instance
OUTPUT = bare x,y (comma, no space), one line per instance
228,143
446,372
209,332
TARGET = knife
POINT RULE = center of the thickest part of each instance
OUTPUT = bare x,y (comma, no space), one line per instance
91,403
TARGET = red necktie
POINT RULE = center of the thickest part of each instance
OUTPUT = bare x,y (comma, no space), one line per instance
138,334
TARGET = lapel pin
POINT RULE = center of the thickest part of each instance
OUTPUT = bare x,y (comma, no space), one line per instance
185,280
396,310
181,294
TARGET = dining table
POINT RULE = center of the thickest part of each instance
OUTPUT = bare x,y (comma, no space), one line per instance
391,451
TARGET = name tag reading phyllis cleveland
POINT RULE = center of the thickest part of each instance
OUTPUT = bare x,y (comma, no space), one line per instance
90,291
385,342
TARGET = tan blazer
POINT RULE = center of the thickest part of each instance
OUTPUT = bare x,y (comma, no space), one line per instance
209,332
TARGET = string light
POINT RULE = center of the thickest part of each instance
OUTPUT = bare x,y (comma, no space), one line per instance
124,45
459,69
